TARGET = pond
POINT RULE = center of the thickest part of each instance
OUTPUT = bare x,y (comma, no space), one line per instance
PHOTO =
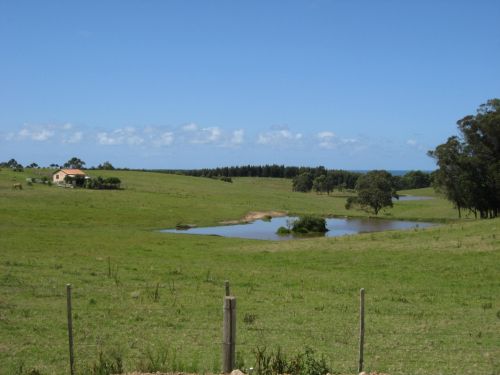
411,198
266,230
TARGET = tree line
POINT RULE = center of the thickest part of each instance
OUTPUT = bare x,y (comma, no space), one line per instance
324,181
305,179
73,163
268,170
469,164
340,180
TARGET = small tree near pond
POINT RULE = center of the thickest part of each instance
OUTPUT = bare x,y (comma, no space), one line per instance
305,225
375,191
309,224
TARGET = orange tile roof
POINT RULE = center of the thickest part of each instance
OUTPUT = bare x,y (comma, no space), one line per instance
73,171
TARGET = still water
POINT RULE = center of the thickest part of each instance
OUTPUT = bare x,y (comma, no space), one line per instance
412,198
266,230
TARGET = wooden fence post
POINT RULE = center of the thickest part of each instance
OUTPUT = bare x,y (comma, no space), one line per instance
70,330
229,335
361,328
226,287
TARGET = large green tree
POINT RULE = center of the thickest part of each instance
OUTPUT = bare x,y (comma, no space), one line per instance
412,180
469,164
106,165
375,191
303,182
319,184
74,162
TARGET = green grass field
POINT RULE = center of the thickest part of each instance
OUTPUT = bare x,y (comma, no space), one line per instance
433,295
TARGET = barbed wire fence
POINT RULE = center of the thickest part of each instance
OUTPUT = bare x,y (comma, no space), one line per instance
147,331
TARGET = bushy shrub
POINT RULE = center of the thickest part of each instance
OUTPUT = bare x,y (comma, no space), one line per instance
76,181
108,183
222,178
282,231
309,224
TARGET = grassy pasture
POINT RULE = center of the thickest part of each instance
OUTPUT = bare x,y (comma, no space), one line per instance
433,296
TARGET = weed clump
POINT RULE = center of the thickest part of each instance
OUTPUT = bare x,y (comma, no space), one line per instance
107,364
20,370
276,362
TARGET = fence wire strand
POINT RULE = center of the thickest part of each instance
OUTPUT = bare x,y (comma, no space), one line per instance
146,302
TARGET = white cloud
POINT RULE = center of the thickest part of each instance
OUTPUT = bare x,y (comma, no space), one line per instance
39,134
278,137
105,139
63,133
326,134
190,127
237,137
73,138
212,134
134,140
164,139
349,140
196,135
42,135
417,145
326,139
126,135
329,140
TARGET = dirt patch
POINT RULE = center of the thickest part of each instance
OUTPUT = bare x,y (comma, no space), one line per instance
255,215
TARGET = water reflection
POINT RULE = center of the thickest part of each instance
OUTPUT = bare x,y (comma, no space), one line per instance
266,230
412,198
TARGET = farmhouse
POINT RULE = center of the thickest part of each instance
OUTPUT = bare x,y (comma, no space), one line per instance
58,176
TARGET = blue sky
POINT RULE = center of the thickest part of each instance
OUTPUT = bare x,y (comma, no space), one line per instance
190,84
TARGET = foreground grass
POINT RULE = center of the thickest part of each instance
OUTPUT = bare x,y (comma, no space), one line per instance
433,296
